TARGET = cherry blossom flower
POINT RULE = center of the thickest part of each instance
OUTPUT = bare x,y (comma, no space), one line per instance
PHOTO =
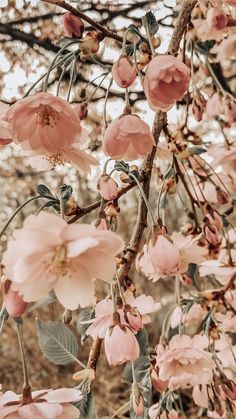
45,404
5,131
227,49
169,256
166,81
154,413
116,353
47,253
128,138
185,362
194,315
73,25
220,267
107,187
44,123
214,106
99,325
123,71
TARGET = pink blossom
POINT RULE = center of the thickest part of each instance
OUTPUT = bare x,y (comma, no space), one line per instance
155,409
45,404
214,106
195,315
82,110
44,123
212,234
185,363
5,131
215,219
229,107
222,271
200,396
14,303
120,345
169,256
107,187
73,25
124,72
231,2
216,19
99,325
227,49
166,81
128,138
47,253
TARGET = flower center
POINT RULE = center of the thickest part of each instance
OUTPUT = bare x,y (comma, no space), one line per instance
47,116
56,159
60,263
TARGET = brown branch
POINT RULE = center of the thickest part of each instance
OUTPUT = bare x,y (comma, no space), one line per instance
83,16
159,122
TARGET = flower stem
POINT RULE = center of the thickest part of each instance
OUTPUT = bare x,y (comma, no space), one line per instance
19,209
26,384
105,103
144,198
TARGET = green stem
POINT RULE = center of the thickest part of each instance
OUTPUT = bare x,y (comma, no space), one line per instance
20,208
95,90
73,64
105,103
23,359
144,198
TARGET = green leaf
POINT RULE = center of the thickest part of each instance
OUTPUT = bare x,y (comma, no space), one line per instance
86,406
66,192
142,338
85,314
44,190
57,342
150,22
141,365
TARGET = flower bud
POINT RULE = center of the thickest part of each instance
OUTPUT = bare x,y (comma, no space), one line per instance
107,187
100,224
120,345
133,318
216,19
14,303
124,72
212,234
73,25
230,389
222,196
186,280
90,44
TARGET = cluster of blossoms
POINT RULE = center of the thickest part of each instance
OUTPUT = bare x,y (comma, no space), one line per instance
51,254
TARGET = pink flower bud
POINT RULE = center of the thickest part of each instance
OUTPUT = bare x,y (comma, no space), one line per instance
100,224
216,19
73,25
164,255
82,110
128,138
215,219
120,345
124,72
212,234
158,384
166,81
133,318
107,187
14,303
186,280
222,196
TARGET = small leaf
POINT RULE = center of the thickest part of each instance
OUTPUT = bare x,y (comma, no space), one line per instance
44,190
150,22
87,405
66,192
73,70
57,342
85,314
140,367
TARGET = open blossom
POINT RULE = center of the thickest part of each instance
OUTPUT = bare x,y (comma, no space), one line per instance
45,404
5,131
124,72
47,253
128,138
169,256
140,307
120,345
166,81
194,315
44,123
107,187
185,362
221,267
73,25
227,49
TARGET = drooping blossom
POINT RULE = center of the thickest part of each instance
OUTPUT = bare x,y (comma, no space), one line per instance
73,25
120,345
169,256
186,363
222,268
14,303
166,81
155,409
47,253
44,123
45,404
128,138
140,307
216,18
123,71
194,315
107,187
